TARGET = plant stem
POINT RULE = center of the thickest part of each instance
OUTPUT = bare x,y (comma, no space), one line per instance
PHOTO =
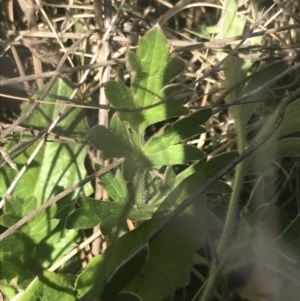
237,185
211,281
232,209
230,217
139,187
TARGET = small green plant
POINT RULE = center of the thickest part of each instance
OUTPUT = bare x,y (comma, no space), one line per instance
163,264
152,69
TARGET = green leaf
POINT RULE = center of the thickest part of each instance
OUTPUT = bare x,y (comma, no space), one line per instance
115,186
218,187
125,273
71,126
119,128
257,161
165,187
36,245
121,97
289,239
55,246
215,164
194,168
143,213
231,23
291,121
109,143
174,154
106,213
17,271
8,291
235,68
83,283
36,228
289,125
92,212
50,286
182,129
256,207
161,275
52,169
264,74
152,69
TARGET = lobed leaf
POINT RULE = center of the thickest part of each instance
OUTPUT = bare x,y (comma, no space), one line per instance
184,128
174,154
152,69
92,212
115,186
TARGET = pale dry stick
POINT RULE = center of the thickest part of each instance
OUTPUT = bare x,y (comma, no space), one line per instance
173,43
214,69
99,14
44,134
180,44
10,11
217,67
182,6
53,200
287,10
15,80
130,224
29,11
67,17
46,89
20,67
230,166
172,11
86,254
81,104
225,41
65,35
74,251
52,29
8,161
74,104
273,17
83,7
104,38
52,137
104,73
264,27
45,131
